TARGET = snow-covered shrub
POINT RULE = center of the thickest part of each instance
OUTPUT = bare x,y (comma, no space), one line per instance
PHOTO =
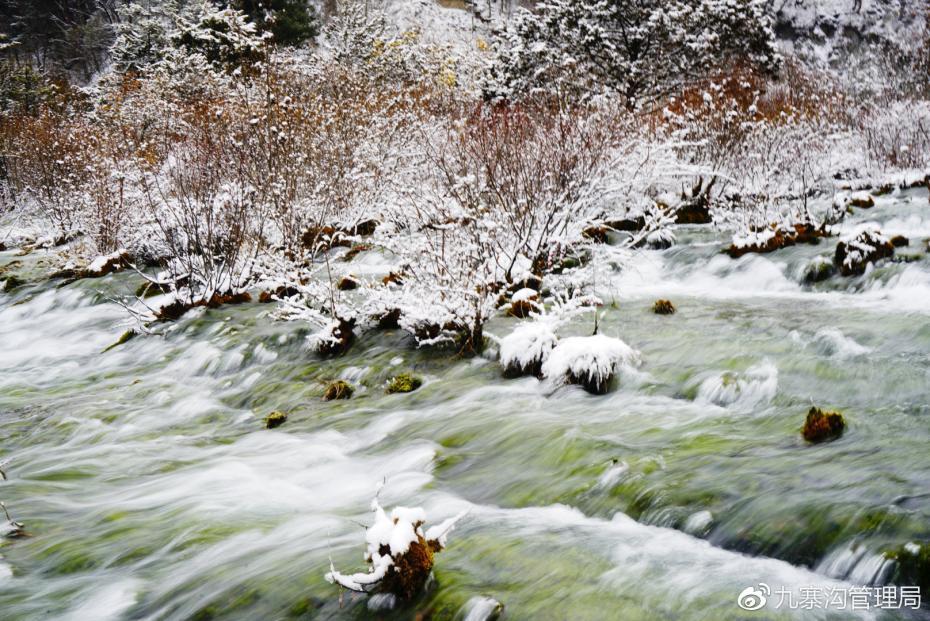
358,35
399,551
203,207
225,37
143,36
590,361
636,50
897,136
45,166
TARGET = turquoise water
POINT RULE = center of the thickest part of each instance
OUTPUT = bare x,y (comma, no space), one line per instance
150,489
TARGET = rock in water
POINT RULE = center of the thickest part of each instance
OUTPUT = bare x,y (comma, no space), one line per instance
403,383
663,307
865,245
338,390
523,302
589,361
862,200
275,419
524,350
822,426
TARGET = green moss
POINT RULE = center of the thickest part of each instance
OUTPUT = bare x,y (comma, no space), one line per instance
818,270
275,419
913,565
338,390
127,336
457,440
244,599
403,383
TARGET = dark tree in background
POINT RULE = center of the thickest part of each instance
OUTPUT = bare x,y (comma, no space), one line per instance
291,22
70,36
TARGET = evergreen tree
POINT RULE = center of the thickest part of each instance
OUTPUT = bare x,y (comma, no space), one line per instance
291,22
637,48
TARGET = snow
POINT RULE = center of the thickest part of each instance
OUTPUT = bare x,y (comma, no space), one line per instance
524,295
530,343
396,533
861,242
481,608
441,531
596,357
97,265
749,239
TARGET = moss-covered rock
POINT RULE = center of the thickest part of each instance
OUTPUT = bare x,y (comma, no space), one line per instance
317,238
364,228
629,225
776,237
522,303
149,289
821,426
819,269
338,390
403,382
8,283
912,565
178,308
663,307
275,419
694,212
388,320
407,577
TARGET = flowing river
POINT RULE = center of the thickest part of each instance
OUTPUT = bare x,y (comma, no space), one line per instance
151,490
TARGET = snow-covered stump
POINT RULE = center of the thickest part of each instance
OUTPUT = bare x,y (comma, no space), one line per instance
399,552
589,361
523,351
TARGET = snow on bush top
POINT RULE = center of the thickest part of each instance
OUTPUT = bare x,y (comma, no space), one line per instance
528,344
595,357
